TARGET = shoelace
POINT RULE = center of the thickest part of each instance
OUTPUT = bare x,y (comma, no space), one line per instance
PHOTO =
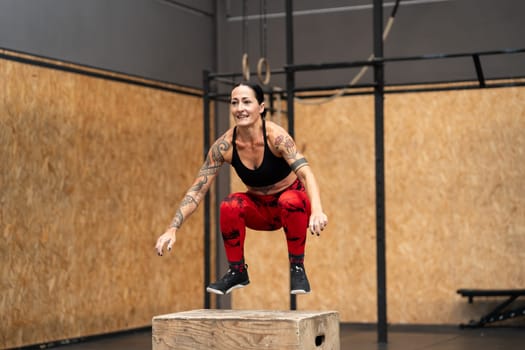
230,275
297,270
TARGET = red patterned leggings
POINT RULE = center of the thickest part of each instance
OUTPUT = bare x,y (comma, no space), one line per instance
289,209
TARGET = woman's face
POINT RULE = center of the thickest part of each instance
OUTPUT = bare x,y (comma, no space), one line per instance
244,106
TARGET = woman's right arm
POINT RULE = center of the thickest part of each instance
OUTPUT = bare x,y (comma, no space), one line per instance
194,195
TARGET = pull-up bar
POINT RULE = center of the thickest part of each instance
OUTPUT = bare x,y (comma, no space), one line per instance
483,81
377,60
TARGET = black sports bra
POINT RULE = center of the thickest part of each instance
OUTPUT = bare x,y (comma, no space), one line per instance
272,170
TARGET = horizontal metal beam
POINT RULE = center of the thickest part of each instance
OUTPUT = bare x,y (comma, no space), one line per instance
367,89
347,64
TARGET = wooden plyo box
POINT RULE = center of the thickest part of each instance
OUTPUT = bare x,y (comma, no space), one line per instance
246,330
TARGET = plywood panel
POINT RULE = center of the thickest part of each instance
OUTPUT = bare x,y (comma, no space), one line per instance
338,140
456,192
92,172
455,206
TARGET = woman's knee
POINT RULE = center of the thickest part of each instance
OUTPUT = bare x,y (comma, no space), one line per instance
293,201
234,203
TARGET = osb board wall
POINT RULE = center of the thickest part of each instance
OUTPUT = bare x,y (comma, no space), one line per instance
456,193
92,173
455,207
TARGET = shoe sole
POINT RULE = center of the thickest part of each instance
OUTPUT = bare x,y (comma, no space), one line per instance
299,291
220,292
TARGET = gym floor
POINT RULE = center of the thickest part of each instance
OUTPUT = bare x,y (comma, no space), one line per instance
358,337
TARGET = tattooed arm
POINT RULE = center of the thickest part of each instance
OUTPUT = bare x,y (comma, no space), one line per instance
285,144
202,182
207,173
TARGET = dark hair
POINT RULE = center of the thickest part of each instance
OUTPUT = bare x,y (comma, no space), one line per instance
259,93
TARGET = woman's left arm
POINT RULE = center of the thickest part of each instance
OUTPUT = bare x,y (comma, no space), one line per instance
286,146
318,219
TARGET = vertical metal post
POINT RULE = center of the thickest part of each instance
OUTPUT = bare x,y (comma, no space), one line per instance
290,86
290,74
222,182
207,200
380,173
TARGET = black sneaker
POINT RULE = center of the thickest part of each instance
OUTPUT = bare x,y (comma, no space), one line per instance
298,280
233,279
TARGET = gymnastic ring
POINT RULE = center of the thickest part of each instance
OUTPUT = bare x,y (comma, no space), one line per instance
245,67
263,61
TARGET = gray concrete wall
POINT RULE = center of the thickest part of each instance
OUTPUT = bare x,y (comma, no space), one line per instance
149,38
174,40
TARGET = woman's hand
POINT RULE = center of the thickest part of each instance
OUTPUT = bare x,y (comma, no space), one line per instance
317,223
168,237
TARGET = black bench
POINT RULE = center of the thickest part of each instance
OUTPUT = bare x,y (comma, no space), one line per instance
501,311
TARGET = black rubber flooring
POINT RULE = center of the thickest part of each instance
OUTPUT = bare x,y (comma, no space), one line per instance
352,337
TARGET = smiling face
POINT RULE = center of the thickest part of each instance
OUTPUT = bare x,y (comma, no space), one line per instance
244,107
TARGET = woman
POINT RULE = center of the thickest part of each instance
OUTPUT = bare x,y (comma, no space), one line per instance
281,191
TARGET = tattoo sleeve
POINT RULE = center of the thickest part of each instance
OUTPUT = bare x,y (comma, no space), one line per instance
286,145
211,166
177,220
298,164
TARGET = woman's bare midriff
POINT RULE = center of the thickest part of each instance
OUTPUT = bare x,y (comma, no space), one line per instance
275,188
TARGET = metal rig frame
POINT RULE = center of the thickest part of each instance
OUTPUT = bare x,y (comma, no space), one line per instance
378,88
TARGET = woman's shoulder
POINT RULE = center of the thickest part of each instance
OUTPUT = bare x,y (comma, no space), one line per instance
227,136
274,128
272,125
274,131
223,145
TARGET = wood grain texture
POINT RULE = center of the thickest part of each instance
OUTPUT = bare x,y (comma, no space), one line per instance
92,172
245,330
